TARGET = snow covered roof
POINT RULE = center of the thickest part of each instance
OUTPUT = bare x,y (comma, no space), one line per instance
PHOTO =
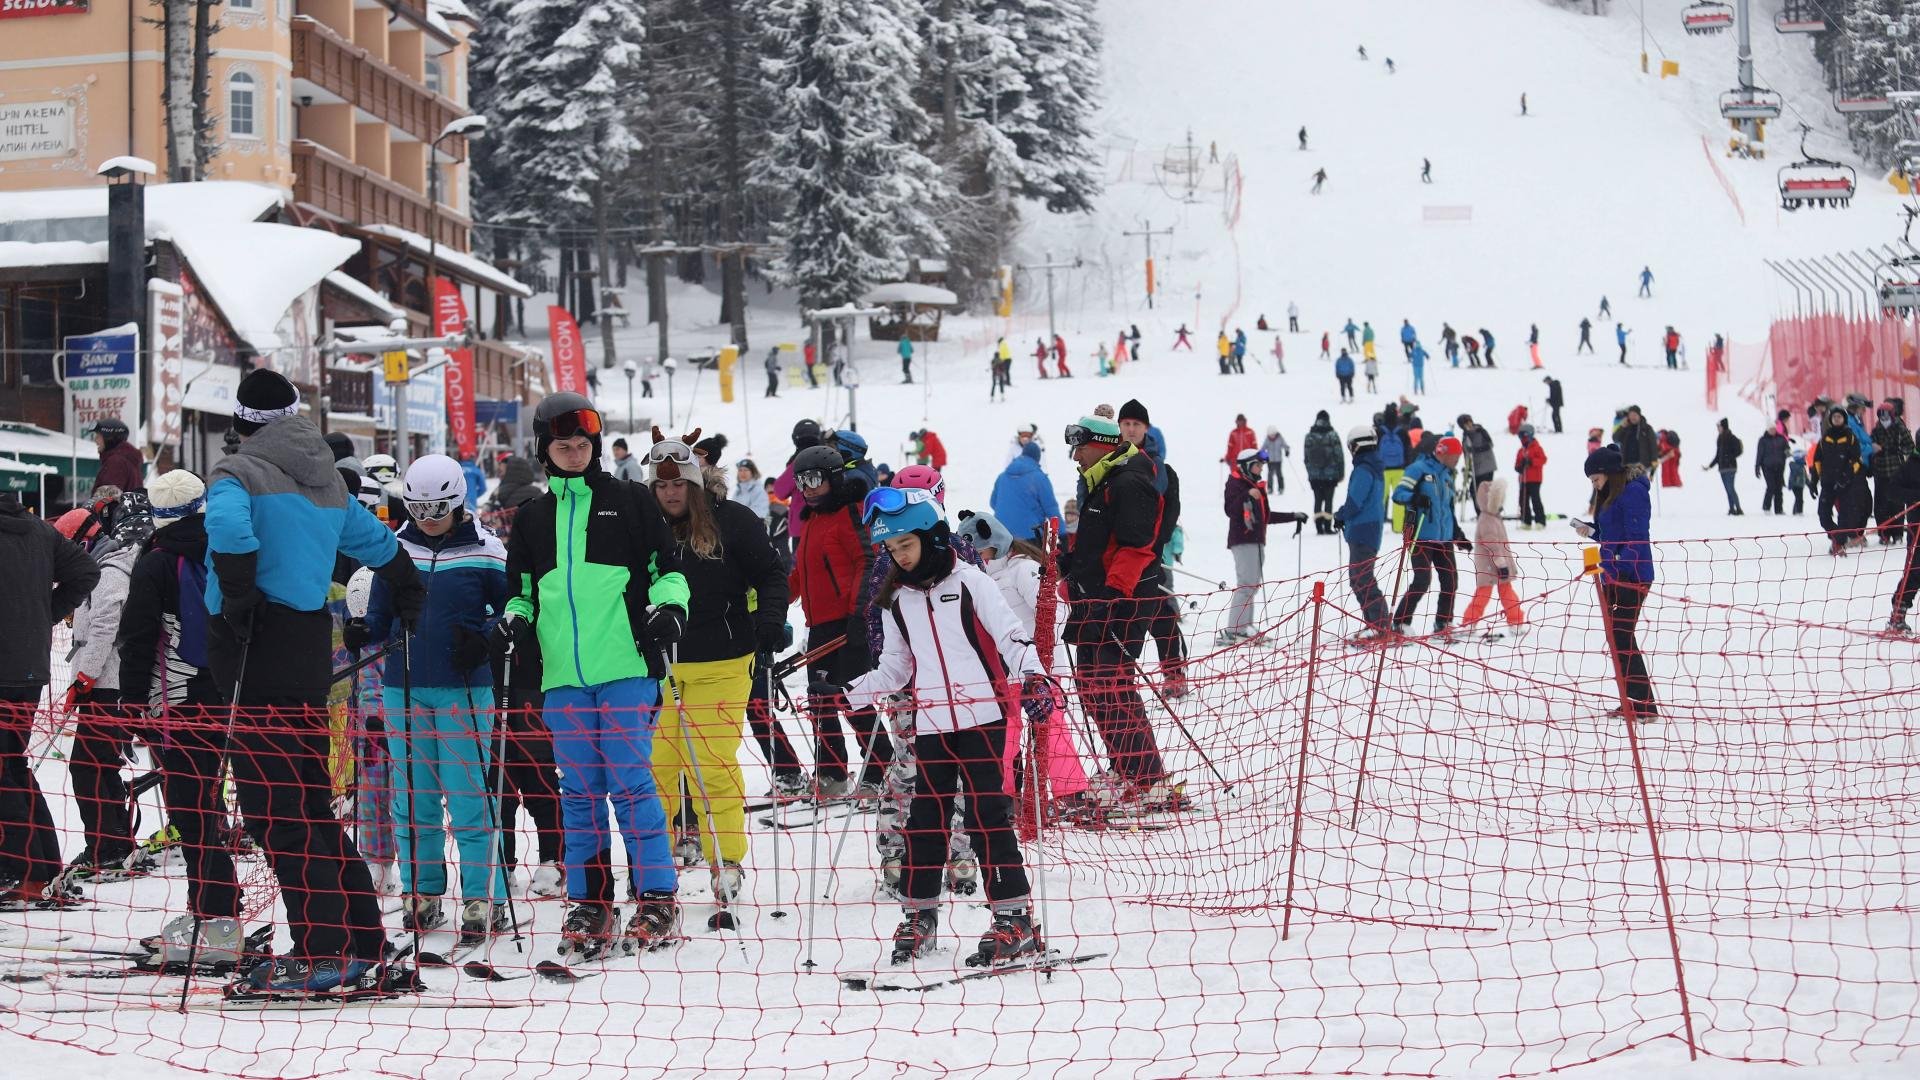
255,271
18,437
455,260
61,213
453,9
907,292
15,253
364,293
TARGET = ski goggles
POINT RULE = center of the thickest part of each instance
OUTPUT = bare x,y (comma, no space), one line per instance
577,422
814,478
894,500
431,509
672,450
1080,435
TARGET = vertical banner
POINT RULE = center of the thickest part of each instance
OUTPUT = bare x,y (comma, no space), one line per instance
569,352
450,317
166,326
1149,281
727,356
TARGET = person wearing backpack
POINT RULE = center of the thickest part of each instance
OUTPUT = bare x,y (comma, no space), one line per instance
167,684
1770,465
1726,457
1326,465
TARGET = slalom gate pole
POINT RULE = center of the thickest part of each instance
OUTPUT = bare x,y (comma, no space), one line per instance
1380,667
233,716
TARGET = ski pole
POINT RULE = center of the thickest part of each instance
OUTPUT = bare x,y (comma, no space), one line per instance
1379,668
1134,665
1221,585
413,828
723,919
233,716
495,748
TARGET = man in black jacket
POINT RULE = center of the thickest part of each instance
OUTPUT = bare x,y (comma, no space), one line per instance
1111,575
1555,400
1164,623
43,578
1770,464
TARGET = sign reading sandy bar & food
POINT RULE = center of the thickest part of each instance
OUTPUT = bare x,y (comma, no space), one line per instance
27,9
35,129
103,378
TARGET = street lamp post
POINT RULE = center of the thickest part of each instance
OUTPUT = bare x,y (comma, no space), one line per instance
631,369
465,125
667,364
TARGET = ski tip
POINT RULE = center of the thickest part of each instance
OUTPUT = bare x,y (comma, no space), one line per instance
855,982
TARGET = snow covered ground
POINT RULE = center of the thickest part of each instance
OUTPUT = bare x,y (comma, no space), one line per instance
1492,909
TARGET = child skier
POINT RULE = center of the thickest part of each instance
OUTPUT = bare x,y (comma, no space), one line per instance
596,581
441,749
954,640
1492,559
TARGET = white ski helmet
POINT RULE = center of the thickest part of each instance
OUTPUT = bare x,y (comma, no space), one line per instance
1362,437
381,467
359,590
435,478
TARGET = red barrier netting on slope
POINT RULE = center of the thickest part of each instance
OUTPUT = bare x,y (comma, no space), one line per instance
1444,856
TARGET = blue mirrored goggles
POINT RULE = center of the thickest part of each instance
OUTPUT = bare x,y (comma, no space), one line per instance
894,500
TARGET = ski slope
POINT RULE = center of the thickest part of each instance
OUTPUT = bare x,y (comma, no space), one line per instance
1612,170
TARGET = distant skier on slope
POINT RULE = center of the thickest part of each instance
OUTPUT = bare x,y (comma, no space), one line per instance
1319,178
1586,336
1303,136
1181,340
1426,170
1646,281
1606,308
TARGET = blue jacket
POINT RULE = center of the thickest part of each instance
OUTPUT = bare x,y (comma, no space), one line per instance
1419,356
1866,443
1393,449
1621,529
1365,512
476,484
1620,333
1434,480
1343,366
1155,447
1407,335
906,349
466,581
279,496
1023,497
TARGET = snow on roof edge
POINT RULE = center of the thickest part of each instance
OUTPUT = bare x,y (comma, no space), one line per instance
487,274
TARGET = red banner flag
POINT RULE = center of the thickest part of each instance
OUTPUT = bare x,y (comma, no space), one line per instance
569,352
450,317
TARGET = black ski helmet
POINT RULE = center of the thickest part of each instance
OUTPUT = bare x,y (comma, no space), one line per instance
552,407
806,433
112,429
826,459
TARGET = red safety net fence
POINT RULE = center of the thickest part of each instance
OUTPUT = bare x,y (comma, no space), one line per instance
1810,356
1447,856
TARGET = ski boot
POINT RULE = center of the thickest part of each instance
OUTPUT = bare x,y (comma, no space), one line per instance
1011,937
423,914
220,948
588,932
655,923
41,895
293,978
789,785
1229,637
916,936
832,787
686,850
481,918
1173,682
729,880
548,882
963,875
1164,796
1898,624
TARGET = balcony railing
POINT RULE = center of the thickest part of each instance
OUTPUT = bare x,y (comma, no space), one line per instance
358,195
321,56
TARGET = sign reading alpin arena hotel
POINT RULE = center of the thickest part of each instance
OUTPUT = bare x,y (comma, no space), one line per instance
27,9
35,129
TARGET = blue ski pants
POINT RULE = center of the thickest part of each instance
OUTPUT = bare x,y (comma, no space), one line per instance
603,745
439,773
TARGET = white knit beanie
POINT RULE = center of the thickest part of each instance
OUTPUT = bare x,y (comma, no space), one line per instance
176,494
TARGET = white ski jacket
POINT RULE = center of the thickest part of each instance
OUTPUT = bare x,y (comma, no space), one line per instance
97,622
959,646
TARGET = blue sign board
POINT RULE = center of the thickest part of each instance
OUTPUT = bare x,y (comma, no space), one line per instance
487,412
91,355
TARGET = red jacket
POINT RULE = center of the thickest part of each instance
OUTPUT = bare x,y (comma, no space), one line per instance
829,565
1532,462
1240,438
935,451
1515,418
1673,341
123,467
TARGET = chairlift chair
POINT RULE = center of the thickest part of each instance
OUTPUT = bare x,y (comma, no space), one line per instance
1707,17
1863,100
1898,280
1751,103
1800,17
1813,181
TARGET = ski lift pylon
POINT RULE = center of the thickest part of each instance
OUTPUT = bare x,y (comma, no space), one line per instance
1707,17
1751,103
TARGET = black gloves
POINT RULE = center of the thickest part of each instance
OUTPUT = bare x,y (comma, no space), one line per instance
356,635
821,688
666,623
409,596
772,636
239,597
1464,544
469,649
1420,502
1299,522
513,632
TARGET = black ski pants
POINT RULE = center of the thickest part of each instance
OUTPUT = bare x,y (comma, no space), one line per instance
1624,601
1774,498
1430,558
1531,508
1323,505
767,729
1366,588
101,744
1910,575
189,742
29,844
1164,628
945,761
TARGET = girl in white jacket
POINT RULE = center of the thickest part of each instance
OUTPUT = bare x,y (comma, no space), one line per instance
953,639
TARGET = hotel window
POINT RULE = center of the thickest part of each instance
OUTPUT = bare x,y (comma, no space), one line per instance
434,77
241,121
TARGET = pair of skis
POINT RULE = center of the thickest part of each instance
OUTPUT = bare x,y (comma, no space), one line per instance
887,980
